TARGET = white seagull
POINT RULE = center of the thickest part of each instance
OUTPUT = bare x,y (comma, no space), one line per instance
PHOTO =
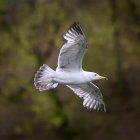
70,73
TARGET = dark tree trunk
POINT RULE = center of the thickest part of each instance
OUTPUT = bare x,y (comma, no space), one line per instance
117,51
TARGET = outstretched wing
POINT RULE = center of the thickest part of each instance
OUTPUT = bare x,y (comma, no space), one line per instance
72,52
91,94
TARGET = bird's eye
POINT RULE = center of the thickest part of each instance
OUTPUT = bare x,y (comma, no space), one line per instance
95,74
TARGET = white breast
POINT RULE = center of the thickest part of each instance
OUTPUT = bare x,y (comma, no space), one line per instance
77,77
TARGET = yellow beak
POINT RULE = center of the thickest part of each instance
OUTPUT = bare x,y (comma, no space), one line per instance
104,78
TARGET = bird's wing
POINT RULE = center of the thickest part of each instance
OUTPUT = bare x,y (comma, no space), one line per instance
91,94
72,52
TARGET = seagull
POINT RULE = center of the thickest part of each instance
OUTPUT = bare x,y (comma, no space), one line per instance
70,73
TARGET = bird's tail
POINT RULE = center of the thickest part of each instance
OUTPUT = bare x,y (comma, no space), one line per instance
43,79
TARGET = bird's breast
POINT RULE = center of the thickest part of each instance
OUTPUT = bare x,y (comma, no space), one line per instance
71,78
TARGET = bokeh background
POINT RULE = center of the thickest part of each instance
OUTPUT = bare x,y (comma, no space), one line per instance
31,35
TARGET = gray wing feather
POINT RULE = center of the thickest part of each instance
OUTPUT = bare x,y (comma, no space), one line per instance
72,52
91,94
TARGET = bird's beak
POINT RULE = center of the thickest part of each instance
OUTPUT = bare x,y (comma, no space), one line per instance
104,78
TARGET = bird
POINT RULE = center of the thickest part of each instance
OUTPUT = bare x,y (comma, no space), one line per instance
69,71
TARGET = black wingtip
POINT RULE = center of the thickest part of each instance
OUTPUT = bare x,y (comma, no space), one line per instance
76,23
76,27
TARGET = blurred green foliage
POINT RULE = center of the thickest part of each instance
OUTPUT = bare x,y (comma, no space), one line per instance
31,34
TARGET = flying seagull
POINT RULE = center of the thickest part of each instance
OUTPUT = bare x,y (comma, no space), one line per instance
70,73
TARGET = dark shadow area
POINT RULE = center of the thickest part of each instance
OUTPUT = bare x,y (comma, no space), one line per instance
31,35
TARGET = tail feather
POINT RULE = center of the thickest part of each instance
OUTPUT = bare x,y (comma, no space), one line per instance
43,78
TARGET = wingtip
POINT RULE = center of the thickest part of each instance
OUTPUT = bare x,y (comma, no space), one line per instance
73,31
94,105
76,27
76,23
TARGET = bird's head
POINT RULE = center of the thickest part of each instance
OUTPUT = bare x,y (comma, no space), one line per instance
96,76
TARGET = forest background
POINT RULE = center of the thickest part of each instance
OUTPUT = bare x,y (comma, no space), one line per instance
31,35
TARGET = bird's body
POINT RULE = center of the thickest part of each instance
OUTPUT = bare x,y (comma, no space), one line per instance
70,73
77,77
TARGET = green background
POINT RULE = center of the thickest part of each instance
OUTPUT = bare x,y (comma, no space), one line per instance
31,35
